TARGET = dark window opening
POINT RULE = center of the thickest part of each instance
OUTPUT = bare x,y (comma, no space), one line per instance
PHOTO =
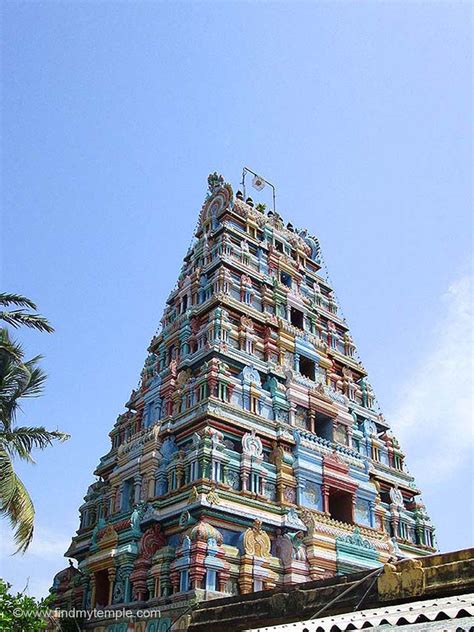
323,426
184,305
307,367
385,497
279,246
102,588
285,279
297,318
340,505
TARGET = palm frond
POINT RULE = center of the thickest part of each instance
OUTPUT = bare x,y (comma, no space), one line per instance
9,347
7,479
17,318
15,378
16,505
18,380
37,378
16,299
20,441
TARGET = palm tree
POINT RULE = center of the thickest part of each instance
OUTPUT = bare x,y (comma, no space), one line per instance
19,379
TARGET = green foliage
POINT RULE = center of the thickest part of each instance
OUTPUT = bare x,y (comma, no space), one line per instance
21,317
261,207
20,613
19,379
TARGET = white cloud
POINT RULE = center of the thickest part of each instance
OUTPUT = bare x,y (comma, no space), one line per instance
434,416
37,567
46,544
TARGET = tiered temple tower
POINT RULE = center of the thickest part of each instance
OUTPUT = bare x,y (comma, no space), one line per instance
252,453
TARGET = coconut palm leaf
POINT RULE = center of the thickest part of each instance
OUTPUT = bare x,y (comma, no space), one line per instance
20,317
7,483
15,503
17,317
36,379
16,379
22,440
9,346
16,299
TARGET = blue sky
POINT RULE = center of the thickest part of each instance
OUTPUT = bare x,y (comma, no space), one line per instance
360,113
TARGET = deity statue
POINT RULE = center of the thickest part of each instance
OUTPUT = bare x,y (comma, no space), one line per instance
213,497
150,363
290,547
393,548
215,181
277,454
299,549
193,495
135,518
95,531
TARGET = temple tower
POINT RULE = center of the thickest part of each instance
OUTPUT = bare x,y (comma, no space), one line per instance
252,454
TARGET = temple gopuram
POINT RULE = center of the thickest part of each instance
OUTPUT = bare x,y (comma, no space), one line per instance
253,455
